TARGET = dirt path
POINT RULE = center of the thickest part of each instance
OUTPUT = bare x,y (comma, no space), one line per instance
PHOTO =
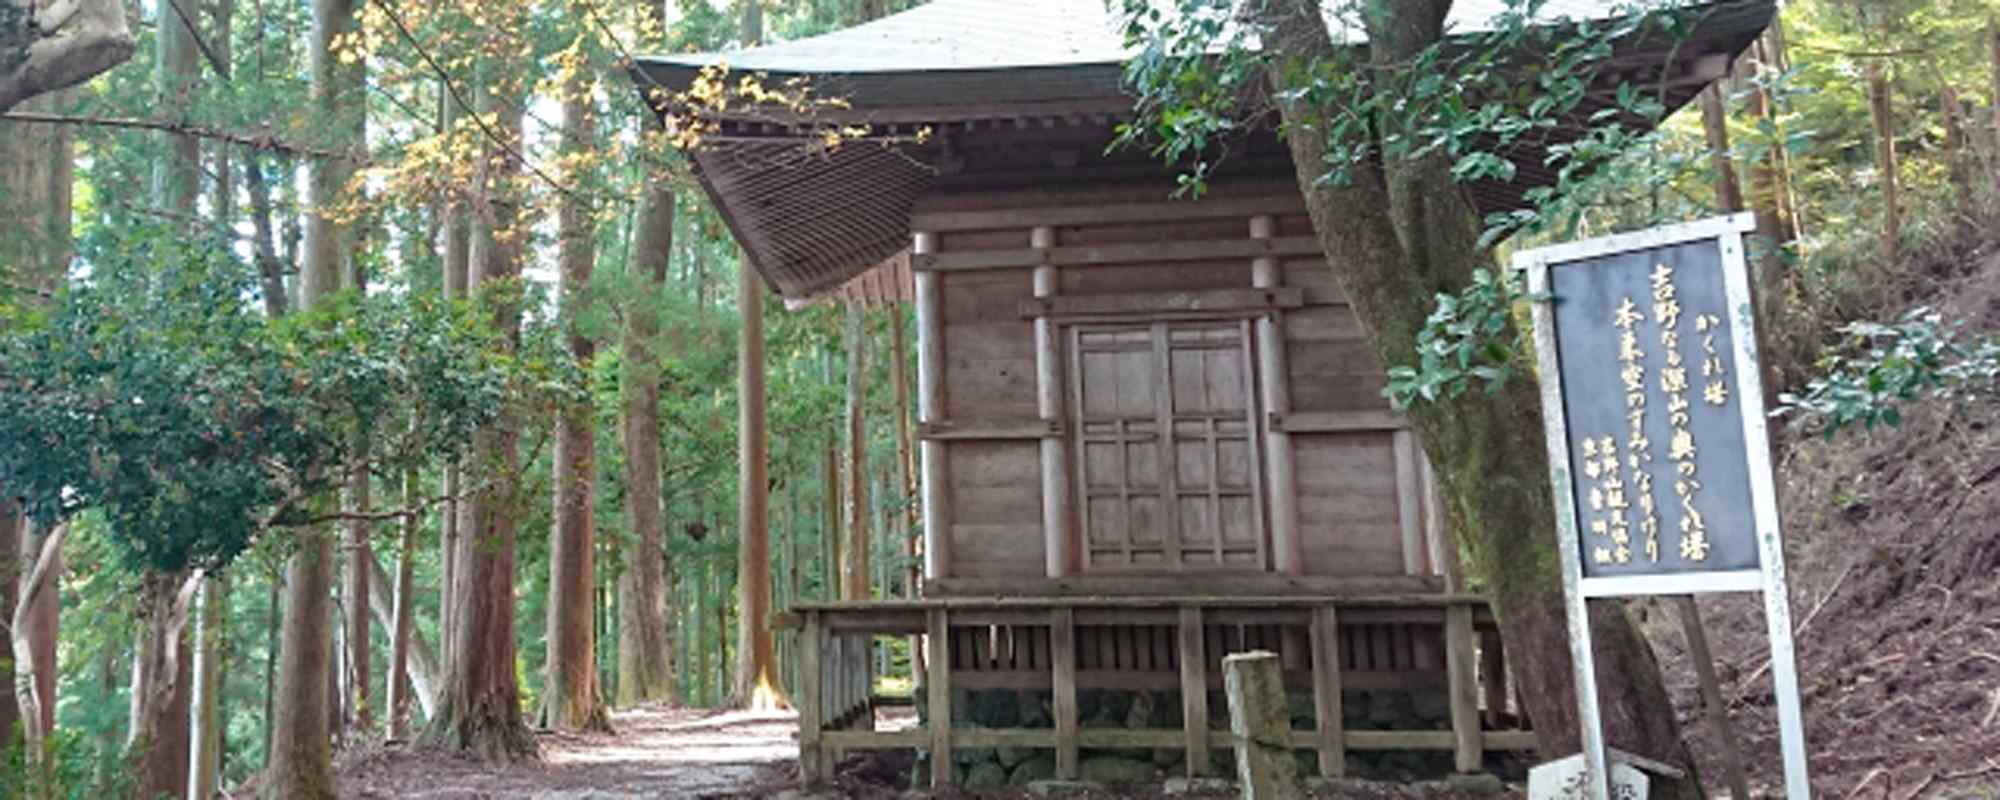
680,753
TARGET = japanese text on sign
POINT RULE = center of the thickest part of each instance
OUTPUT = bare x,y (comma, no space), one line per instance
1660,472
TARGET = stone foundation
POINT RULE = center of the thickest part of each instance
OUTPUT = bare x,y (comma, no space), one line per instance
988,768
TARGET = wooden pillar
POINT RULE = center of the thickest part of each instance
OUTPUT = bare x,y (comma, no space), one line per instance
938,687
1409,503
1062,663
930,408
1437,530
1326,664
1049,404
1461,686
812,759
1288,553
1194,690
1711,695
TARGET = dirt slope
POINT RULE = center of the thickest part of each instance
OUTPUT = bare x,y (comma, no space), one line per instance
1893,540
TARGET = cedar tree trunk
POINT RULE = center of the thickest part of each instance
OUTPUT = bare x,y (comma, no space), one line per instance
301,760
757,670
570,696
854,553
205,737
36,167
479,709
157,740
645,643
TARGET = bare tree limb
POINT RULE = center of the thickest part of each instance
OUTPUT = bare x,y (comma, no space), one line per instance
256,142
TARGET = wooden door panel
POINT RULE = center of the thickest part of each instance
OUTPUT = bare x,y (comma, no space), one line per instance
1165,424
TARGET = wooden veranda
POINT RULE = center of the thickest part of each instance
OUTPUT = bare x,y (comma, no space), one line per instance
1066,644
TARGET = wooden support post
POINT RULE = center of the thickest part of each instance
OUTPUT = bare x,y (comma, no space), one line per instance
1265,768
1711,696
1049,405
1493,674
930,408
1326,667
1194,690
1287,552
1409,503
812,759
1062,663
938,688
1458,657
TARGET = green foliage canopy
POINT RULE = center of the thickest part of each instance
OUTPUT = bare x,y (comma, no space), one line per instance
1467,102
154,392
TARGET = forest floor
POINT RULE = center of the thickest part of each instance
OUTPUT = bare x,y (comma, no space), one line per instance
655,753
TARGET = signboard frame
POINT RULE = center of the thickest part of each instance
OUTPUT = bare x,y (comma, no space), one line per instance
1728,233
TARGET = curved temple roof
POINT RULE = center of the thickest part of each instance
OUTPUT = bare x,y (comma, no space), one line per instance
812,218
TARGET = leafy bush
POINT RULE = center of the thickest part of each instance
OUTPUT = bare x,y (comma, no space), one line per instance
1467,339
77,768
1887,366
154,392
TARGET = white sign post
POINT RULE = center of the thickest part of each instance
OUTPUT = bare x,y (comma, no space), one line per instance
1653,399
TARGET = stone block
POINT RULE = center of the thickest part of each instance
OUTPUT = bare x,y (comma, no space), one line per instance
1139,714
1300,708
1037,768
1431,707
986,776
1185,786
1053,788
997,708
1479,783
1265,766
800,794
1347,787
961,706
1011,757
1391,710
1035,711
1116,770
1354,706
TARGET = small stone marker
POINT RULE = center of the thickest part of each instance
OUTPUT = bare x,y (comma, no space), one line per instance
1265,768
1568,779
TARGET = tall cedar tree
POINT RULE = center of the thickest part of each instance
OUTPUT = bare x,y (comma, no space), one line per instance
645,651
301,762
161,669
570,696
1400,231
757,668
479,709
36,165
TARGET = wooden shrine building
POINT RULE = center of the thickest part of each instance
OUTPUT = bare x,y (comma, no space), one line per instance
1152,432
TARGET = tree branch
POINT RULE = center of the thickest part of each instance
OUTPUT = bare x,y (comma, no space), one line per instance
194,32
260,142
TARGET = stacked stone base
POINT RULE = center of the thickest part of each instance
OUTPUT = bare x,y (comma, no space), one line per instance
988,768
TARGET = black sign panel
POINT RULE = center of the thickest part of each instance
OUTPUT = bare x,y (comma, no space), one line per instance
1660,473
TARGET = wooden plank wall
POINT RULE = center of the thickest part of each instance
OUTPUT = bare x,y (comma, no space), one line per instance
989,374
1359,485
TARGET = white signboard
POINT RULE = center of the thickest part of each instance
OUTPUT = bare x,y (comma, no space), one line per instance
1654,405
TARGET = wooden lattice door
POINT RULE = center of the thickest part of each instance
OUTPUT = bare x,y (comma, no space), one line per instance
1165,420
